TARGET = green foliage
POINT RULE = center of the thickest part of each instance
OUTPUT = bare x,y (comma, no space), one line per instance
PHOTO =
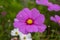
12,7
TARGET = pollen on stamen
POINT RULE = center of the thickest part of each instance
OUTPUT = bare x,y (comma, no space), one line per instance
29,21
16,33
24,38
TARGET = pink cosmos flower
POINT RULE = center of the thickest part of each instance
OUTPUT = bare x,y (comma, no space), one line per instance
42,2
55,19
54,7
30,21
51,6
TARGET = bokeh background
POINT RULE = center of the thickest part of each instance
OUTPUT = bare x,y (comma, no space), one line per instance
9,9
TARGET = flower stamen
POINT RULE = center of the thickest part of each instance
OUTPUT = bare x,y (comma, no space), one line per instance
24,38
29,21
16,33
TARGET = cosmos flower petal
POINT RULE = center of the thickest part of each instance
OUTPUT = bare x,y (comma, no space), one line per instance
57,17
16,20
42,2
32,28
22,29
42,28
56,7
18,24
40,19
50,6
50,9
53,19
21,20
26,12
35,13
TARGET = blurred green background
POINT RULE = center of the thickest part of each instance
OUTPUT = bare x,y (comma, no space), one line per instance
9,9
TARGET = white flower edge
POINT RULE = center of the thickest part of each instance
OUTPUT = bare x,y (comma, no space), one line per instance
13,32
26,36
20,34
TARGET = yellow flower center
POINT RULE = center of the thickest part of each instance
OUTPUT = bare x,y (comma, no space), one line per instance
16,33
29,21
24,38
